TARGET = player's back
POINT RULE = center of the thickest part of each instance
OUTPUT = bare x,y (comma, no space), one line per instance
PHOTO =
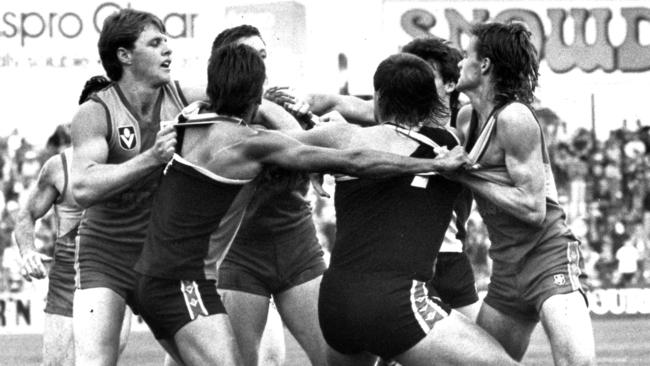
394,224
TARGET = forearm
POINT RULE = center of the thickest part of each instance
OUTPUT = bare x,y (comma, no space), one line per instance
514,200
24,232
355,110
378,164
98,182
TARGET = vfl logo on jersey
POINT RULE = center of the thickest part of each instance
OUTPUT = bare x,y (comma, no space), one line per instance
559,279
127,137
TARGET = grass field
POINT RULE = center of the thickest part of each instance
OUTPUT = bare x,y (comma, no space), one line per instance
618,342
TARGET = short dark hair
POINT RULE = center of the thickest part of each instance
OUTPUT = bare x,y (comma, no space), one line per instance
122,29
444,55
92,85
236,75
405,85
514,59
230,35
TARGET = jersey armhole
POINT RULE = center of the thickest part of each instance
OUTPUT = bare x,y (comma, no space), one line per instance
109,122
64,163
180,93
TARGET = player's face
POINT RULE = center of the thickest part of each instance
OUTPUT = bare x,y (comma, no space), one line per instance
256,43
470,68
151,56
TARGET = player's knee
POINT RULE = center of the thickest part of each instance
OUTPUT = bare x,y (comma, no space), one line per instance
582,358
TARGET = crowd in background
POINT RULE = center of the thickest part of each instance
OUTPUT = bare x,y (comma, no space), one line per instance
604,187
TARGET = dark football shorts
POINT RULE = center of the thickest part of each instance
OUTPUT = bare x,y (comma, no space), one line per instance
168,305
453,280
107,264
383,313
520,289
61,286
272,266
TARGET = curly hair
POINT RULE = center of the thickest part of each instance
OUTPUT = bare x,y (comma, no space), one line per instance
514,59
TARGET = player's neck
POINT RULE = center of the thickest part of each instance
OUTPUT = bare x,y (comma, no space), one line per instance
483,104
141,95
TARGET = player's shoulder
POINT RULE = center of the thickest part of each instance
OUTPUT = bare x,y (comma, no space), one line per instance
516,112
51,170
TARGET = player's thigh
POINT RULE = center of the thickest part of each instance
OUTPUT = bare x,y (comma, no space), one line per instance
455,340
208,340
358,359
248,313
97,319
567,323
58,343
272,345
511,332
298,307
126,328
470,311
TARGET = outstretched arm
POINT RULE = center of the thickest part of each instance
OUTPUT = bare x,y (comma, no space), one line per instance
270,147
39,200
355,109
93,179
519,136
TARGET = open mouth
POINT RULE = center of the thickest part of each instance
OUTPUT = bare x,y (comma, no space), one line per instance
166,64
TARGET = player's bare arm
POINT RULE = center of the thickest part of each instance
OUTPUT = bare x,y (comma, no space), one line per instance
93,179
353,108
519,139
40,199
270,147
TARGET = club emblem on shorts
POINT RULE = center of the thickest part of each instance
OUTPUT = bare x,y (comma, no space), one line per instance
127,137
559,279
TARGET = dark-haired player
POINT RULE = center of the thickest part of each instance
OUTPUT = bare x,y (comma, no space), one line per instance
203,195
275,254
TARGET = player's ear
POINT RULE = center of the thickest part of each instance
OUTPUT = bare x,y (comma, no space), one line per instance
124,55
486,65
449,86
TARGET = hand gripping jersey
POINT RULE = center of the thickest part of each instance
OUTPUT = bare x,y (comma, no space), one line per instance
123,218
512,238
395,224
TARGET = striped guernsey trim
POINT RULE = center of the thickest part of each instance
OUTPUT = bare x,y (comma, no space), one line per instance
425,311
193,300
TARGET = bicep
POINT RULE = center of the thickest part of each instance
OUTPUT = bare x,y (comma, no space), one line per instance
336,135
521,142
89,137
42,195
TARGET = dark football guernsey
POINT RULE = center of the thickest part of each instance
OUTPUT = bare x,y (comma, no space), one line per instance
195,217
395,224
